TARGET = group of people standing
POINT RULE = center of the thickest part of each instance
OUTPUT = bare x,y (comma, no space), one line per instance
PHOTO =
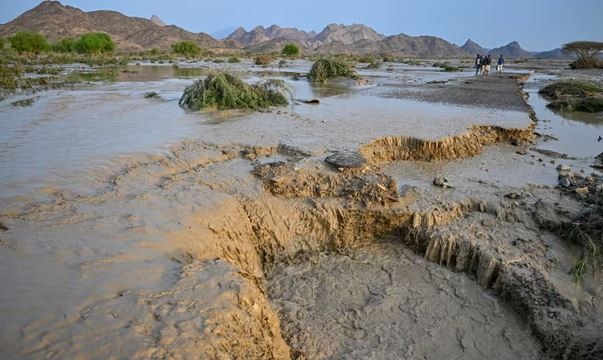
482,64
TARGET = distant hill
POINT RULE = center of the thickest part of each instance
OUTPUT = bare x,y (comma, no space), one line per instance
473,48
556,54
511,50
338,38
57,21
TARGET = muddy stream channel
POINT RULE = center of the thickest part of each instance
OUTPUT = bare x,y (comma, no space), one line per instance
132,228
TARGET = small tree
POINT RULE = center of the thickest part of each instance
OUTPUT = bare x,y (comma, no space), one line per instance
586,51
186,48
1,43
290,50
95,43
64,45
29,42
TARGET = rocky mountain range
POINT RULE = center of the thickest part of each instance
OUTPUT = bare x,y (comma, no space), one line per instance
57,21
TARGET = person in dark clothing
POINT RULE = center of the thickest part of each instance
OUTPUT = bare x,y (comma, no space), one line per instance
499,66
478,64
487,61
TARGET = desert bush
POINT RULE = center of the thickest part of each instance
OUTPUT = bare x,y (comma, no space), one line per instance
263,59
95,43
446,67
29,42
589,104
290,50
186,48
587,52
325,69
234,60
570,88
9,77
226,91
64,45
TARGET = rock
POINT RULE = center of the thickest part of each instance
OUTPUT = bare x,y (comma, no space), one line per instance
582,190
312,101
441,182
346,160
550,153
514,195
563,168
565,182
488,222
598,161
521,152
151,94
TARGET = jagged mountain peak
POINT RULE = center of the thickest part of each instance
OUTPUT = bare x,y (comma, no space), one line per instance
157,21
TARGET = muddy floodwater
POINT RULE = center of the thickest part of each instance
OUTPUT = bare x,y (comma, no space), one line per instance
132,228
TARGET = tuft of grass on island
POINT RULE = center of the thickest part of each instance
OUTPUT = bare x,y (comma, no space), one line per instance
573,95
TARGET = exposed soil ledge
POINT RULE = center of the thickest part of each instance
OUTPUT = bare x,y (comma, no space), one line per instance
471,143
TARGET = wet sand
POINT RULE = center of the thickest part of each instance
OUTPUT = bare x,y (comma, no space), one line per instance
192,251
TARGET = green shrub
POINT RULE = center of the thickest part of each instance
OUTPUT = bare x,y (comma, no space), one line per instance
64,45
186,48
290,50
234,60
225,91
587,104
1,43
570,88
29,42
325,69
95,43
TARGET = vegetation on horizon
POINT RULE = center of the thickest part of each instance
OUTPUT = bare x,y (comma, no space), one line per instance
587,52
29,42
225,91
95,43
186,48
290,50
325,69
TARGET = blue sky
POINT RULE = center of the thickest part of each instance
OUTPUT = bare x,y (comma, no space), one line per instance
536,24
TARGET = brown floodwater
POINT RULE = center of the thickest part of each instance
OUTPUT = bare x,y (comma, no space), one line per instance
102,191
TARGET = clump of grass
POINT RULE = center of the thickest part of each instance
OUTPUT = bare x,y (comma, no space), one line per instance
24,102
574,95
373,65
570,88
226,91
9,77
325,69
263,60
587,232
218,61
589,105
446,67
366,59
234,60
413,62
